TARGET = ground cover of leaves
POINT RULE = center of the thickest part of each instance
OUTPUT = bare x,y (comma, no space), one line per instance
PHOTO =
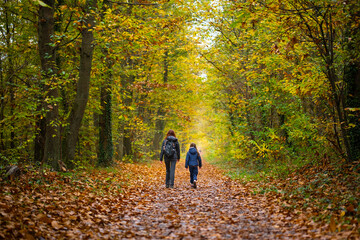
324,192
131,202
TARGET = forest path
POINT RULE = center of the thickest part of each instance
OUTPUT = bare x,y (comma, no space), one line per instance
218,209
131,202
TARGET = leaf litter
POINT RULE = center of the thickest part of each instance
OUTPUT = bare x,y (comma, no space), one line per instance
131,202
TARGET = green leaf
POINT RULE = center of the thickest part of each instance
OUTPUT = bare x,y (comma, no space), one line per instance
41,3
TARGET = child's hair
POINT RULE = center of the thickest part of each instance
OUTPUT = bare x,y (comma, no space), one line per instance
194,146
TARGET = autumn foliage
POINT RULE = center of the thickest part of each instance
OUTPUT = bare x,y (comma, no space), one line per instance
268,90
131,201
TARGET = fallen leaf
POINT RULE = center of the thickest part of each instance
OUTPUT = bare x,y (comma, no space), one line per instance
56,225
332,224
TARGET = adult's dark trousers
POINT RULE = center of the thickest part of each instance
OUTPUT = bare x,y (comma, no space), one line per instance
193,173
170,172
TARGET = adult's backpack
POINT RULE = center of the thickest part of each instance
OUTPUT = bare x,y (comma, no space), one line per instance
169,149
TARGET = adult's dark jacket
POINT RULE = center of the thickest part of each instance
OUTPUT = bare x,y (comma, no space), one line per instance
176,156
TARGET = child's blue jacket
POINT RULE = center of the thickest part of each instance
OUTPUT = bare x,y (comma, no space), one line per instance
193,158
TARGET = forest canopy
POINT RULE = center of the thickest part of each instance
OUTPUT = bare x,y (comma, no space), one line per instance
268,85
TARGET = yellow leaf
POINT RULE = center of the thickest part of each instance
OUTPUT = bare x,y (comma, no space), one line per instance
342,213
332,224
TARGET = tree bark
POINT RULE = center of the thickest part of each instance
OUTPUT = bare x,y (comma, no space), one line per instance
39,141
105,157
127,135
339,107
2,106
160,122
106,148
52,149
83,84
10,80
352,78
159,130
7,81
127,147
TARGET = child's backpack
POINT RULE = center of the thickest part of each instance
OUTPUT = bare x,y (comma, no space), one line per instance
169,148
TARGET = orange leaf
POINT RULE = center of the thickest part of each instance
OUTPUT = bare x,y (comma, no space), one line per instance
55,225
42,217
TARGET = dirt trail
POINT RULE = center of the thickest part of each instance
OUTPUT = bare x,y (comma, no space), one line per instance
133,203
218,209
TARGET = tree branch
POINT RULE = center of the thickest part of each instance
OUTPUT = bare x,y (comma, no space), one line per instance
134,4
66,43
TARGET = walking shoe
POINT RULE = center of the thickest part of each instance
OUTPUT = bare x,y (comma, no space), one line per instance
167,186
194,183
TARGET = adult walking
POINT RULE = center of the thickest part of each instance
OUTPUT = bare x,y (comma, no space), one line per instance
170,151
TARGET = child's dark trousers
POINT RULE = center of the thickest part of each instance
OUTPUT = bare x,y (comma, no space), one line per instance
193,173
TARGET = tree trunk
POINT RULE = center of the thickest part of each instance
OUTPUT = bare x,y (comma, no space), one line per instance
2,106
10,75
337,99
159,131
249,121
352,78
284,132
52,149
105,157
127,136
59,59
82,93
106,148
39,141
120,142
126,81
12,100
127,147
160,122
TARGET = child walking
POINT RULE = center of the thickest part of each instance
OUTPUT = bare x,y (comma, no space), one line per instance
193,161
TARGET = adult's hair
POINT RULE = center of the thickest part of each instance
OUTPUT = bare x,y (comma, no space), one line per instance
170,133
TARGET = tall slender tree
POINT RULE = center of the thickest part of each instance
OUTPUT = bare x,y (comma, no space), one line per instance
352,78
47,52
160,121
83,84
106,149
